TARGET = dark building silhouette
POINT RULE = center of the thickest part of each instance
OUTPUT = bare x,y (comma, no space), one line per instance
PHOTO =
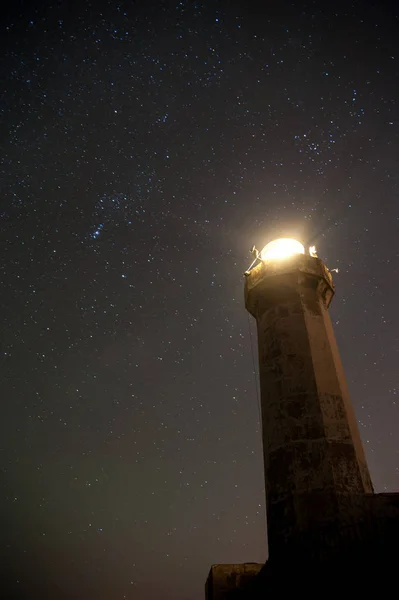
324,521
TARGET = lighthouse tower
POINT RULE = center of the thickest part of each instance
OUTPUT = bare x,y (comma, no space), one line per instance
315,468
328,533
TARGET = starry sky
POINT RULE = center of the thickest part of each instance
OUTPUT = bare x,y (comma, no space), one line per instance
144,148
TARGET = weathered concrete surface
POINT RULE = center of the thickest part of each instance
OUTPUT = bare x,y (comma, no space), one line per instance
315,468
230,581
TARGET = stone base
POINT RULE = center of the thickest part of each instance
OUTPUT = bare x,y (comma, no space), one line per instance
359,557
229,581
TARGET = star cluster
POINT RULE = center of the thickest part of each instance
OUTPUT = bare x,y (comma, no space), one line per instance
145,148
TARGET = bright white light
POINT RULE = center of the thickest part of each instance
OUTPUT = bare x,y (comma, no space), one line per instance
281,248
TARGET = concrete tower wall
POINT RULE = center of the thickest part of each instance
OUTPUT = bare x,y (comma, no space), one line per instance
315,469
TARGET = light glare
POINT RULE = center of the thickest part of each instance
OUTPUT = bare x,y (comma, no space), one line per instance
281,248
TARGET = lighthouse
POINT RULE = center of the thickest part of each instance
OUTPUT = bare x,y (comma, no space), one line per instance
315,467
328,533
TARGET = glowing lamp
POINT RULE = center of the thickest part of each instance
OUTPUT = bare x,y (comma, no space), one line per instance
281,248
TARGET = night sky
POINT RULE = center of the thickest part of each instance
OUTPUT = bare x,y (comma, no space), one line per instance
144,148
